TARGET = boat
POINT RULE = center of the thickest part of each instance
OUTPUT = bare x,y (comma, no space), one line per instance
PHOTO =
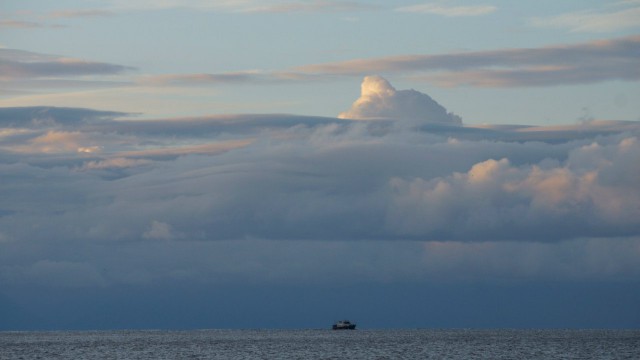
344,325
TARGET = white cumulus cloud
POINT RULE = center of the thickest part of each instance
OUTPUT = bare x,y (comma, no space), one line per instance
380,100
594,192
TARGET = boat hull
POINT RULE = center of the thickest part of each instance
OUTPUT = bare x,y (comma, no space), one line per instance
344,327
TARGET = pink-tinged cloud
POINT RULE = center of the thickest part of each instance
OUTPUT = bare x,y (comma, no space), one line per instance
449,11
230,196
20,24
54,142
379,100
594,192
594,61
113,163
297,178
590,62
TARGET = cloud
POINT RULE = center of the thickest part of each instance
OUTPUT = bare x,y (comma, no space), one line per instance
532,76
22,24
204,126
590,62
584,198
159,231
80,13
148,100
38,23
173,152
309,6
24,56
54,142
607,19
239,77
44,116
22,86
449,11
18,64
118,162
583,63
283,198
287,177
158,261
378,99
247,6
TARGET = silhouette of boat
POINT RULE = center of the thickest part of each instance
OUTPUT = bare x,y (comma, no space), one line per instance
344,325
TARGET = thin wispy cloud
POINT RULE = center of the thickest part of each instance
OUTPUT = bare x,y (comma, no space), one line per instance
19,64
311,6
239,77
247,6
23,24
620,16
533,76
444,9
80,13
42,21
589,62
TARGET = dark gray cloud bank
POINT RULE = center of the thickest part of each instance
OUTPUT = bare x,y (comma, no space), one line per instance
275,202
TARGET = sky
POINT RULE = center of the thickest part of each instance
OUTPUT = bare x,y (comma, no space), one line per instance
285,164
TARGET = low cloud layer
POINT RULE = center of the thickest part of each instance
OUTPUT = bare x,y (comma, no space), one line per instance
379,100
277,197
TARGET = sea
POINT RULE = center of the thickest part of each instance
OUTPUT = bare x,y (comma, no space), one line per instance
322,344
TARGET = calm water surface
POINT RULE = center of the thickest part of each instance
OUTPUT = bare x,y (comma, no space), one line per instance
323,344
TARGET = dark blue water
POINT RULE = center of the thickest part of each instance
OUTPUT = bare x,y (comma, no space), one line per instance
323,344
